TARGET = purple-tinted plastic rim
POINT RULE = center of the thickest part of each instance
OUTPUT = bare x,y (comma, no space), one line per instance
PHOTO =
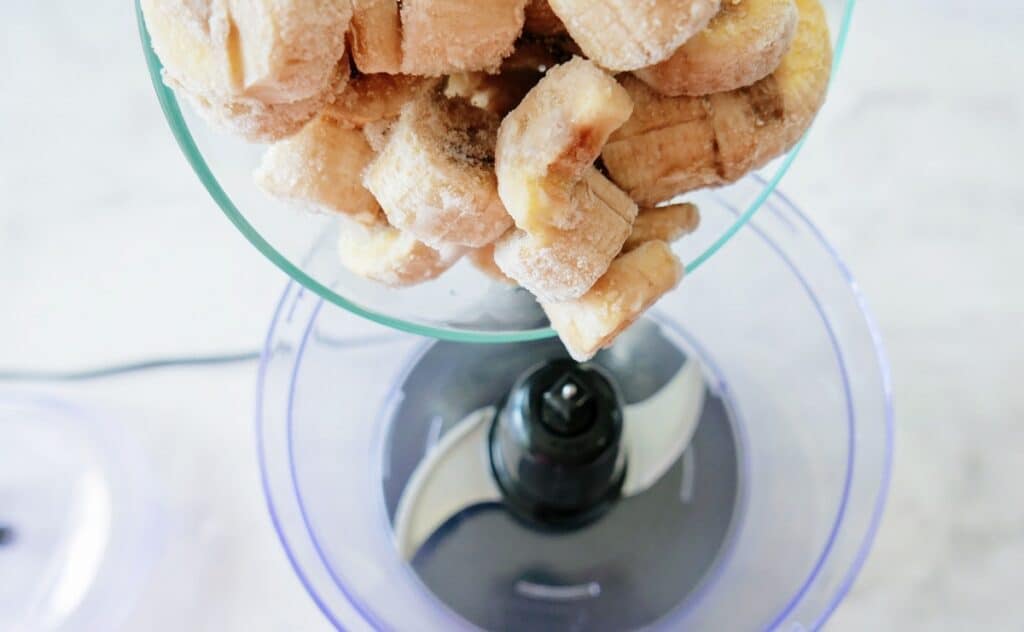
865,547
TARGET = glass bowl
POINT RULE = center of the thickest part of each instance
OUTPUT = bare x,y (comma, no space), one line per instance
786,343
462,305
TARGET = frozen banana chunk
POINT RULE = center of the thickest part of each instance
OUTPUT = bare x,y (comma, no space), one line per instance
391,257
444,36
743,44
483,260
321,168
630,34
254,120
551,139
434,175
664,223
564,264
257,69
541,20
672,145
274,51
375,37
633,282
369,98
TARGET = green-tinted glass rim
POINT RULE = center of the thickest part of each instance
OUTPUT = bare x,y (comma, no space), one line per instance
172,112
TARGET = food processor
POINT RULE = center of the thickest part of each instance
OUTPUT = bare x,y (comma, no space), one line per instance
433,460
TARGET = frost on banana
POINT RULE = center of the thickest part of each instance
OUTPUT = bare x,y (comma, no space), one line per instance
672,145
320,168
434,175
434,37
633,282
442,36
744,43
563,264
664,223
392,257
551,139
630,34
370,98
259,68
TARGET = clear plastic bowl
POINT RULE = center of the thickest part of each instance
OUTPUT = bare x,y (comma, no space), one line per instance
780,326
462,305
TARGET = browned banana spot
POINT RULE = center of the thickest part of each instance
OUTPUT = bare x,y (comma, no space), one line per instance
672,145
744,43
541,20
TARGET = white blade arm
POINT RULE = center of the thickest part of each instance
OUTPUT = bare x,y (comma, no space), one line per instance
455,475
657,430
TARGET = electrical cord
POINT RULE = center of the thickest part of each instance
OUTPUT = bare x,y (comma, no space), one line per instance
114,370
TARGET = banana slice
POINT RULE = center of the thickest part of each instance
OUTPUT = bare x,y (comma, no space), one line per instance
375,37
672,145
269,50
541,20
444,36
630,34
664,223
321,168
564,264
483,260
551,139
369,98
434,176
744,43
391,257
633,282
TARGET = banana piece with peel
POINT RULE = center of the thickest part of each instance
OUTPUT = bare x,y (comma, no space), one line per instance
394,258
633,282
551,139
562,264
321,168
743,44
269,63
625,35
434,175
664,223
672,145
